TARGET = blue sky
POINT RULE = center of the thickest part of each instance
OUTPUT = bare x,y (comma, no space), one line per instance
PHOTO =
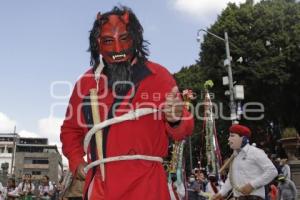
43,51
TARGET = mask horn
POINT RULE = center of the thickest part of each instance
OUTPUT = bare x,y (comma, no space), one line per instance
125,17
98,16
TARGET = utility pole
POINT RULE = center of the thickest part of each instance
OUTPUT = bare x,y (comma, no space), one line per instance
233,114
227,62
13,152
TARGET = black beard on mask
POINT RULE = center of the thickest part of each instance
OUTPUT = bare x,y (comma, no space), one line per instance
117,72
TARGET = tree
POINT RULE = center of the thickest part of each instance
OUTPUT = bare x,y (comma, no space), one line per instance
267,36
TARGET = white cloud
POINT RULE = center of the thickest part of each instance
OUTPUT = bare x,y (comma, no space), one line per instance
50,128
24,133
202,9
6,124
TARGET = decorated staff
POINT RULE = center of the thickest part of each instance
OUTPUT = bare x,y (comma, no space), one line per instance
213,153
176,169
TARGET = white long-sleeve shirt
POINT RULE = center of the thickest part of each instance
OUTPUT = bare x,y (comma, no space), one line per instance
250,165
11,192
286,170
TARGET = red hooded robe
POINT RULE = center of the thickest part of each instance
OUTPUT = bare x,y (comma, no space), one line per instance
132,179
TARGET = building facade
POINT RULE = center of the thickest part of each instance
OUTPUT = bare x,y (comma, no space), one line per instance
7,144
30,156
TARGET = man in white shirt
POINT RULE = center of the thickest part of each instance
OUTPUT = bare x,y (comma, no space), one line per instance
250,169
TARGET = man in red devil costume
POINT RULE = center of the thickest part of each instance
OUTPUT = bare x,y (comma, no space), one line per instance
130,151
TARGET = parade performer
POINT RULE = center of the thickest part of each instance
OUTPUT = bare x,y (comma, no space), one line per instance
124,157
249,171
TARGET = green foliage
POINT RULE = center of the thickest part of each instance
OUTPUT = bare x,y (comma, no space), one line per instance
267,36
208,84
190,77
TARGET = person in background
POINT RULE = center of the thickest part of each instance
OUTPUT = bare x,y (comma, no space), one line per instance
202,181
11,189
285,168
286,188
193,188
46,188
26,188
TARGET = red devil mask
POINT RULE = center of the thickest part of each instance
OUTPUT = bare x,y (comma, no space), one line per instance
115,41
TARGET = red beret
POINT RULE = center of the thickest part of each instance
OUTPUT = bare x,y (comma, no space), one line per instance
240,130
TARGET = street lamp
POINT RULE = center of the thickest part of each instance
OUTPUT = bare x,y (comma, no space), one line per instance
227,62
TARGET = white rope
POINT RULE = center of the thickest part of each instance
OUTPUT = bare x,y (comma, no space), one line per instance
120,158
132,115
98,71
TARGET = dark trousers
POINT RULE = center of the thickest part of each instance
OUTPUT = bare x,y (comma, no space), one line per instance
249,197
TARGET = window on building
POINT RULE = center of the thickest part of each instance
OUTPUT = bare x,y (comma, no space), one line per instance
49,151
9,150
40,161
36,160
36,172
